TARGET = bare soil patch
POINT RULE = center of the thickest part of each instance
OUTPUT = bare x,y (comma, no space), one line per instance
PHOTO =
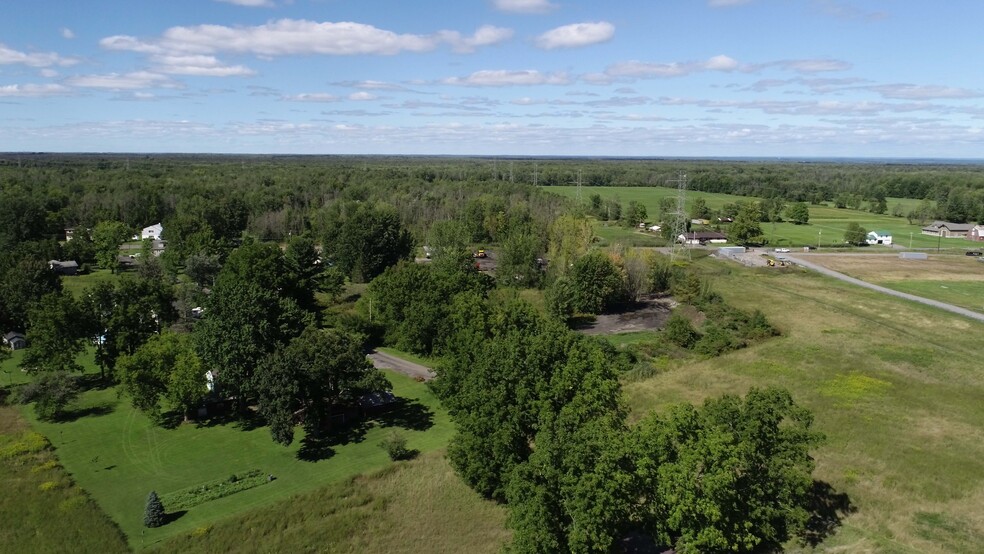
646,315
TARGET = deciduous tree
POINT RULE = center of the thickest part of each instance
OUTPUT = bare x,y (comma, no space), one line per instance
313,375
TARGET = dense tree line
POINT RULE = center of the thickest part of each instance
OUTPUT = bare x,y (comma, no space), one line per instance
542,427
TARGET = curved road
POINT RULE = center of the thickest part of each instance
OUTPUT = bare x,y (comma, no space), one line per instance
383,360
936,303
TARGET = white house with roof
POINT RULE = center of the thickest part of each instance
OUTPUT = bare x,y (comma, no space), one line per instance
879,237
977,233
153,232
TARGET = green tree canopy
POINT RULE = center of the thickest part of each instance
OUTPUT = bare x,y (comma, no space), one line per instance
798,213
856,234
107,237
57,334
165,367
731,476
745,229
313,374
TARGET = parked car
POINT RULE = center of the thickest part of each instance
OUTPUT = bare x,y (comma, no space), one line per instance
782,250
974,253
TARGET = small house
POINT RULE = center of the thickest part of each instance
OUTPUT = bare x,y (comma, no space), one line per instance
153,232
977,233
947,229
655,228
14,340
703,237
70,267
879,237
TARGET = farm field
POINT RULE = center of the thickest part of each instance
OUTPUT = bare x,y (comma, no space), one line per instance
118,456
894,385
826,226
958,280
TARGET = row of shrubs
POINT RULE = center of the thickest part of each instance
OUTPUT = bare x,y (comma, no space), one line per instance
199,494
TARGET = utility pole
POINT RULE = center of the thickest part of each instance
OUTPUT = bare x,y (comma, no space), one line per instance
680,250
819,234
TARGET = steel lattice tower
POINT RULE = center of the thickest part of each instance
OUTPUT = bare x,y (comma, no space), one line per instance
679,249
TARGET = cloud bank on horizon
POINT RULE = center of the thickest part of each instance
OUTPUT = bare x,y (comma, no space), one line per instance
818,78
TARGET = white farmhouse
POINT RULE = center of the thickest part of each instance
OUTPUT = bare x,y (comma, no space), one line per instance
879,237
153,232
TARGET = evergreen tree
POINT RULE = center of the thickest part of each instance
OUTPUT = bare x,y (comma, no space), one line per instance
154,511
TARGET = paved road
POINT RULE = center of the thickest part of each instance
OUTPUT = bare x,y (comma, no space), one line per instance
936,303
383,360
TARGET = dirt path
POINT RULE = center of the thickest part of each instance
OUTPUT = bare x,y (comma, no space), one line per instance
383,360
935,303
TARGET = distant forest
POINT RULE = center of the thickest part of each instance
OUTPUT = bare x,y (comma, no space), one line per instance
272,197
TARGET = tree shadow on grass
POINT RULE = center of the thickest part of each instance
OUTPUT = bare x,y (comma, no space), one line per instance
408,414
827,511
244,421
315,449
93,381
74,414
174,516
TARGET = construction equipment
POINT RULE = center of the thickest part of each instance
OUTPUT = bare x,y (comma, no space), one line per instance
480,254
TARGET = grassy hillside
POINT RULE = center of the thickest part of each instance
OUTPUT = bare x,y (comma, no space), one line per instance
895,386
826,226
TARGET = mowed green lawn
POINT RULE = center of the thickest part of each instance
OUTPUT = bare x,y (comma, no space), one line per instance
826,227
896,386
118,456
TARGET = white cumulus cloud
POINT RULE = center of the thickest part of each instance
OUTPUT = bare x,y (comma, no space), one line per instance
300,37
576,35
502,78
123,81
250,3
32,91
524,6
9,56
313,97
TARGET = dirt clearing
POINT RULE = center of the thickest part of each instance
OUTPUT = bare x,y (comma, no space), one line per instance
647,315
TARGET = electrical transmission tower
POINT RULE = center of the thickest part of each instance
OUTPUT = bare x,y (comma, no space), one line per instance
678,248
578,196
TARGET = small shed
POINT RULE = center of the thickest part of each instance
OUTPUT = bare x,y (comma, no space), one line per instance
913,256
377,401
731,250
68,267
15,340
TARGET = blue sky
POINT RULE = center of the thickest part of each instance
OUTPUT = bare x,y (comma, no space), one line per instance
789,78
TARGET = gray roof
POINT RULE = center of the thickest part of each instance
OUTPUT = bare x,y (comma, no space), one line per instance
13,335
64,264
937,225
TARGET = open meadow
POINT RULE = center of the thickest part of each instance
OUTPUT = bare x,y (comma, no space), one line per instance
895,386
826,227
958,280
116,454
